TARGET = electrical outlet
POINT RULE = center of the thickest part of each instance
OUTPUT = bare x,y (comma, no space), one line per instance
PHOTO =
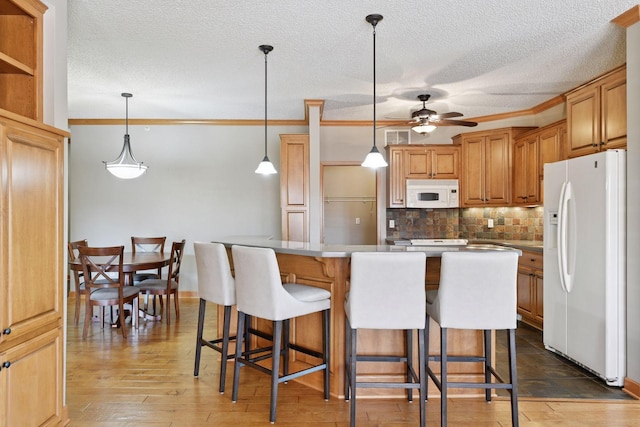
392,224
490,223
357,221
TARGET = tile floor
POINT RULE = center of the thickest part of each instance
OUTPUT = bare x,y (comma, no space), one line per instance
542,373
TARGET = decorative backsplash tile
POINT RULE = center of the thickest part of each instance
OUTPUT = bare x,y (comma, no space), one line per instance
469,223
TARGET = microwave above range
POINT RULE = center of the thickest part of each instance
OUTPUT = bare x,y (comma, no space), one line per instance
432,193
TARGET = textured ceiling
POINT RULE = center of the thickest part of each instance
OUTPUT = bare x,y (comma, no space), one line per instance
199,59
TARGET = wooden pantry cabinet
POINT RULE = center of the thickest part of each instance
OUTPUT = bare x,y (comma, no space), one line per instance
597,115
531,151
485,178
418,162
31,278
530,288
32,244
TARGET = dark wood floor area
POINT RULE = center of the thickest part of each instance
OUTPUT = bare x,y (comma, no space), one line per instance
148,380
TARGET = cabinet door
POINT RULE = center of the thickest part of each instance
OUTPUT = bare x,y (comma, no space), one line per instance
31,195
294,186
526,305
417,161
551,150
30,388
445,162
583,121
519,172
497,184
539,298
396,178
614,111
473,167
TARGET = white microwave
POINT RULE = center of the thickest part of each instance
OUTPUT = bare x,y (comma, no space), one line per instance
432,193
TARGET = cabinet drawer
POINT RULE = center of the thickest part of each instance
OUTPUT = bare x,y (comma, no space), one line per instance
531,259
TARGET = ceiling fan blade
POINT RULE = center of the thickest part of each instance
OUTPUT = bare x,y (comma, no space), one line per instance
446,122
445,115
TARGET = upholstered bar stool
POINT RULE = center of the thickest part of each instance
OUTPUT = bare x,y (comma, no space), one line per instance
216,285
387,292
261,293
478,292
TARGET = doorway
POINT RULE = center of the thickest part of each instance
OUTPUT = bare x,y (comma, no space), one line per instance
349,205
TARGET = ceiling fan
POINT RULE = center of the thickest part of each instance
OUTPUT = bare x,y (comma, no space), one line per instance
425,120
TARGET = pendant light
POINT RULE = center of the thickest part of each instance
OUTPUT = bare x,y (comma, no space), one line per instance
374,159
265,167
126,166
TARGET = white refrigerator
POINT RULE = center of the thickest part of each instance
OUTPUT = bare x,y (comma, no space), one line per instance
585,262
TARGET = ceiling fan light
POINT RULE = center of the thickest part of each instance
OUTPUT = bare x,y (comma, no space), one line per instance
374,159
266,167
423,128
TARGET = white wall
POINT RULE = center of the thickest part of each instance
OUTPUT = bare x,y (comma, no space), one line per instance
200,185
633,202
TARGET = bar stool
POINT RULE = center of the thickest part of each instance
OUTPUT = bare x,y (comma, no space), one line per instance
216,285
477,292
387,292
261,293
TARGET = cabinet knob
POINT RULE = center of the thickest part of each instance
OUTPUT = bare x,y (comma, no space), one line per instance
6,331
6,364
594,145
601,142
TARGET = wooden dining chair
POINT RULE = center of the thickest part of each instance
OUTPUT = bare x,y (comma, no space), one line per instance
169,285
104,283
78,276
147,244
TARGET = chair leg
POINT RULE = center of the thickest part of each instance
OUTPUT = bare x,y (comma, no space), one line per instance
285,347
226,324
167,310
236,368
347,360
121,318
87,317
76,315
422,359
487,363
513,377
443,377
424,366
409,353
176,304
135,312
352,375
326,354
201,311
275,368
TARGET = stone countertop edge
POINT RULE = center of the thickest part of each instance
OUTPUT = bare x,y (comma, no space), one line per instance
336,251
527,245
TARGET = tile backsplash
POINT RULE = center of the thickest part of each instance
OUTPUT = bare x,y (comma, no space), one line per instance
512,223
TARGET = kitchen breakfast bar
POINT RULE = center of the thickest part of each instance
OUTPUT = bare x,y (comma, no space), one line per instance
328,267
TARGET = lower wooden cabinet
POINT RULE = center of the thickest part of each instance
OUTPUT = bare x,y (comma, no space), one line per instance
530,288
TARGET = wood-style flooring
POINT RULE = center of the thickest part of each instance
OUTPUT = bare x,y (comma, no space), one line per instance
147,380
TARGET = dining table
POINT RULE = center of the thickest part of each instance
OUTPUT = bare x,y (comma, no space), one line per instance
132,262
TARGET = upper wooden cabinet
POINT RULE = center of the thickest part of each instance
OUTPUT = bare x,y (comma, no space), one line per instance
486,166
21,50
531,151
597,115
418,162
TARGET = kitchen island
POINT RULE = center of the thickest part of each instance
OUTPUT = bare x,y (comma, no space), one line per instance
328,267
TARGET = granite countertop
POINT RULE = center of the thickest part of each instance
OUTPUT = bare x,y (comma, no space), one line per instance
527,245
345,251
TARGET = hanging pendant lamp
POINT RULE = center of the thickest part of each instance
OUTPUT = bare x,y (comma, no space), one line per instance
374,159
265,167
126,166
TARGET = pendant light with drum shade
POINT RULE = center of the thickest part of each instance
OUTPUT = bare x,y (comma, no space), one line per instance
374,159
265,167
126,166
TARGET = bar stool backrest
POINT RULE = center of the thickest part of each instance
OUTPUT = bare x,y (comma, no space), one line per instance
387,290
477,290
215,282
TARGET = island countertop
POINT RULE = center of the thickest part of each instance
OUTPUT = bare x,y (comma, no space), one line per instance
344,251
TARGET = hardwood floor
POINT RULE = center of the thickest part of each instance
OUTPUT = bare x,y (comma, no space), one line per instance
148,380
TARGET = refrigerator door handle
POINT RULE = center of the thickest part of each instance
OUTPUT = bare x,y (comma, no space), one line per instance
566,280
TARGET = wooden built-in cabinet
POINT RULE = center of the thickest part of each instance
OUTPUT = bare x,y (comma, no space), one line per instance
530,288
418,162
485,178
21,47
31,273
597,115
294,186
531,151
